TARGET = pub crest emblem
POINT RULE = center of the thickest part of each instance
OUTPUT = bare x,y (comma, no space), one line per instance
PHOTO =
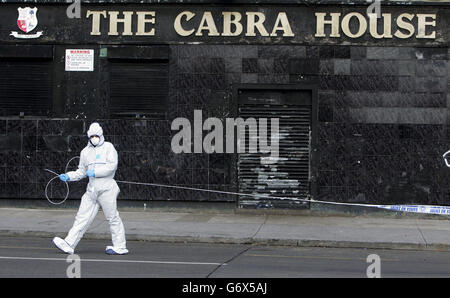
27,21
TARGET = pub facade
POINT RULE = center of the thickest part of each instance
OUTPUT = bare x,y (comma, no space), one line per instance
359,92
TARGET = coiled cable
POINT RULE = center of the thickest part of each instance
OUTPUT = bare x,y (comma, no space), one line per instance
57,177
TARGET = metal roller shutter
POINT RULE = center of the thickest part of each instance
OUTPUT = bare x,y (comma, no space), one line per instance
138,89
25,86
289,177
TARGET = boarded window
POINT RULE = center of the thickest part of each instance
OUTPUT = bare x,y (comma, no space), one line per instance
25,86
139,89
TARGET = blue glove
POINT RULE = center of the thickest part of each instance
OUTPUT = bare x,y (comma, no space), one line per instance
90,173
64,177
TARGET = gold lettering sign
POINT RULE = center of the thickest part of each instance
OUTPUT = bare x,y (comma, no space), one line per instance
404,25
254,23
142,20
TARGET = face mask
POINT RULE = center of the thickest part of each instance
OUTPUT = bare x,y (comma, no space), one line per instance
95,141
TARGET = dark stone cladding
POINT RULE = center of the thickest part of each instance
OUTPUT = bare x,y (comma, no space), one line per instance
383,125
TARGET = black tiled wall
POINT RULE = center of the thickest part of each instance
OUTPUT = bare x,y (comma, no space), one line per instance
381,133
383,126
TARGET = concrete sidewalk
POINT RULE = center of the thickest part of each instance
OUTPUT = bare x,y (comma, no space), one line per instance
242,228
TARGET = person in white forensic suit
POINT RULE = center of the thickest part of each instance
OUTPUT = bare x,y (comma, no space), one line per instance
98,161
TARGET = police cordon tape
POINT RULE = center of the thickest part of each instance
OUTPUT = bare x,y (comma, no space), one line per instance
429,209
426,209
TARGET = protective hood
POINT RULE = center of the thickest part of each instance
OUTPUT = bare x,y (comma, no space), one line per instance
96,129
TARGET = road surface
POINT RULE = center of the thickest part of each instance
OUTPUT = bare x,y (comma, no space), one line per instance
36,257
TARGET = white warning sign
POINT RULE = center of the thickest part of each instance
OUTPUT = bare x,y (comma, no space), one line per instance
79,60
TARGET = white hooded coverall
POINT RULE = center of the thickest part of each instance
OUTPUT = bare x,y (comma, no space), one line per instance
102,191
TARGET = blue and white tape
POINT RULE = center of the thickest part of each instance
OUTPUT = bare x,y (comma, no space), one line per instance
428,209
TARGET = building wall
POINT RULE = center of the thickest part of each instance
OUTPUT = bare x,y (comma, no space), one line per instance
381,132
